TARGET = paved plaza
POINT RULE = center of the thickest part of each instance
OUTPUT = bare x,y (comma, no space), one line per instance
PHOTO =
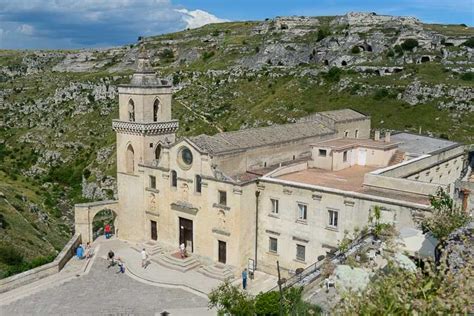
103,291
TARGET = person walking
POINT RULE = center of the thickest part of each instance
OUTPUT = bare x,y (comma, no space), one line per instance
144,258
244,279
107,231
121,265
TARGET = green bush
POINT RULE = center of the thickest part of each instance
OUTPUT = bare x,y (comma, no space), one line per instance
469,43
355,50
390,53
333,75
398,49
467,76
268,303
323,32
409,44
166,54
380,94
10,256
207,55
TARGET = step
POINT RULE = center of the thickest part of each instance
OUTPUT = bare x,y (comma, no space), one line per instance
151,247
217,271
183,265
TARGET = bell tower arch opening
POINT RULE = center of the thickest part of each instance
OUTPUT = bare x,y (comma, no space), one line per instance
156,108
131,111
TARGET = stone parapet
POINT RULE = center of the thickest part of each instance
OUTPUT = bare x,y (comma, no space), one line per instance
153,128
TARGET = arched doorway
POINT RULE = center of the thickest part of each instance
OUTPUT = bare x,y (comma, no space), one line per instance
130,159
103,219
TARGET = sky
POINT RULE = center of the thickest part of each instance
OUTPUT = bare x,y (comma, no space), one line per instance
41,24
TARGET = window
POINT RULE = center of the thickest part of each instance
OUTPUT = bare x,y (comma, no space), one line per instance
344,156
274,206
198,183
156,107
322,152
346,134
174,179
333,218
273,245
356,133
152,182
131,111
302,211
129,159
158,151
185,158
300,252
222,197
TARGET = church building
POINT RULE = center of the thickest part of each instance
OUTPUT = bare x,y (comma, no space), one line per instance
283,192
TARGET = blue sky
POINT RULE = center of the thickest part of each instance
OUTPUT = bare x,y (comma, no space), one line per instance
104,23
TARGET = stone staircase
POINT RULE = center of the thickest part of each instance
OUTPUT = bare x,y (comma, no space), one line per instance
151,247
171,261
217,271
398,157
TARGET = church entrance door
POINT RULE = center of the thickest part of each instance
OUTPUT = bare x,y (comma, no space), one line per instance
186,233
154,231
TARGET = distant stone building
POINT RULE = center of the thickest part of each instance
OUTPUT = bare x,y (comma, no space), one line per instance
283,192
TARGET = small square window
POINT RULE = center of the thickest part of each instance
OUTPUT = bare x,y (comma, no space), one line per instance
275,205
300,252
344,156
333,218
302,211
151,145
222,197
273,245
153,182
323,152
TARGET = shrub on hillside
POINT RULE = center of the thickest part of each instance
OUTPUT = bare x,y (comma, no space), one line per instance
355,50
166,54
333,75
467,76
469,43
409,44
10,256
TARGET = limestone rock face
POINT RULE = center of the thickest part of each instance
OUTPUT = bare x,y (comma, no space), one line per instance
459,247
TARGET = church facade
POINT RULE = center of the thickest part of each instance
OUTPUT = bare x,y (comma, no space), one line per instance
283,192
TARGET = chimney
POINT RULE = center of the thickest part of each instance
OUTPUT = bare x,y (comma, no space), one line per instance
377,135
387,137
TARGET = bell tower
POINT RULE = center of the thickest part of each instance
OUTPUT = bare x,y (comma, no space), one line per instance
144,123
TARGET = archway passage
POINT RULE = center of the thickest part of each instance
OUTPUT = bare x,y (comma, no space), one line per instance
103,224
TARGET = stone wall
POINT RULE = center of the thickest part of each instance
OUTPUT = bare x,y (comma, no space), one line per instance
43,271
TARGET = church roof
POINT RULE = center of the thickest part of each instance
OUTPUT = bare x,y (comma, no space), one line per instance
257,137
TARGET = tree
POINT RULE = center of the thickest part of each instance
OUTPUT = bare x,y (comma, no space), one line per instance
446,216
228,299
409,44
469,43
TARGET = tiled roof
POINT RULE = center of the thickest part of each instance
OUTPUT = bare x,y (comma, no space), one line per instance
256,137
343,115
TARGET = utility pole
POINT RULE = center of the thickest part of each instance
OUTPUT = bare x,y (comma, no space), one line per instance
279,287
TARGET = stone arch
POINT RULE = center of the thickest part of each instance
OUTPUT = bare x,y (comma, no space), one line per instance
131,110
425,59
102,218
156,109
130,159
85,213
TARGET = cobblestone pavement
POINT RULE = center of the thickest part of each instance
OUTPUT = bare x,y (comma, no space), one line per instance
104,292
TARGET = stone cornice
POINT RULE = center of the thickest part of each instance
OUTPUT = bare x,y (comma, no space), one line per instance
153,128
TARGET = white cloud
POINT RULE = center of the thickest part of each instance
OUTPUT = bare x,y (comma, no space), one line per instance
26,29
198,18
92,23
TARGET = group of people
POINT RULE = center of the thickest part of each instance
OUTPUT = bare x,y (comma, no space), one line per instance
84,252
113,262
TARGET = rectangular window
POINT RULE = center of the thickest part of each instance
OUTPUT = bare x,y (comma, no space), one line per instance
198,184
300,252
174,179
356,133
322,152
222,197
273,245
275,203
333,218
344,156
152,182
302,211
